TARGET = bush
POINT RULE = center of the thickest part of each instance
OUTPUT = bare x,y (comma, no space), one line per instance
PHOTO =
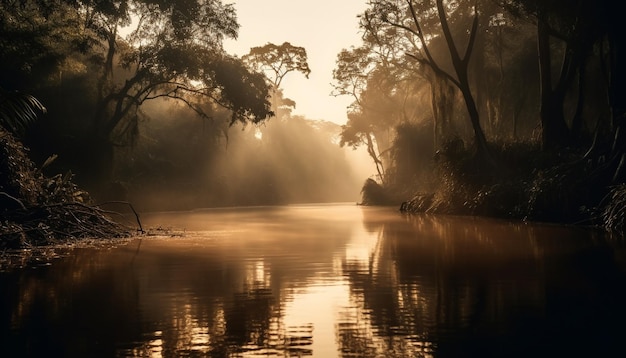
37,210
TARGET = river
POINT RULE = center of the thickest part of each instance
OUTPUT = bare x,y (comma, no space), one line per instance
335,280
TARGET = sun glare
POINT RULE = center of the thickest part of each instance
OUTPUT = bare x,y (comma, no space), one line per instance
258,134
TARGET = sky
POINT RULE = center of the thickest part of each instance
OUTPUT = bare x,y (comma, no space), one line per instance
322,27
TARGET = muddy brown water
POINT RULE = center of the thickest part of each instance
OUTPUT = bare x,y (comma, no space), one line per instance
334,280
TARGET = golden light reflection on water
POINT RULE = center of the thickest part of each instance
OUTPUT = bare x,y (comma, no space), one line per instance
315,280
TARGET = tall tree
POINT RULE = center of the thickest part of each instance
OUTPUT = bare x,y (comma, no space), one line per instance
276,61
174,50
384,96
406,15
571,28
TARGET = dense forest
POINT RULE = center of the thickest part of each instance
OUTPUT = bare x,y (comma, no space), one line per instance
510,108
143,104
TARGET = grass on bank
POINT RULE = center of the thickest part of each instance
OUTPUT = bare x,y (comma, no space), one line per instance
525,182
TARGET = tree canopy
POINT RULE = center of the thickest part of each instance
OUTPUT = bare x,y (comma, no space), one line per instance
276,61
138,50
94,64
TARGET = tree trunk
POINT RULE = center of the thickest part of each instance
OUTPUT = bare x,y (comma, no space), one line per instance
554,130
618,95
372,152
461,68
579,132
479,135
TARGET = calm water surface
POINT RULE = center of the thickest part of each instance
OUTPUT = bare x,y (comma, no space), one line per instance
325,281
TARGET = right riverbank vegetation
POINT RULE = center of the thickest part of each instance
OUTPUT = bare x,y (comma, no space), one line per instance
510,108
503,108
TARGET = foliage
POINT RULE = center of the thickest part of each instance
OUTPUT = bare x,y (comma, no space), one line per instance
406,17
412,155
97,63
278,60
37,210
21,185
243,92
18,111
530,184
466,186
373,193
38,38
175,51
614,212
20,182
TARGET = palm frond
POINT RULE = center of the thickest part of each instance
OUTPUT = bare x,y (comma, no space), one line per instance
18,110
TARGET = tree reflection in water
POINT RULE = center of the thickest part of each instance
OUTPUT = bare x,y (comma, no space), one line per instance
468,287
239,314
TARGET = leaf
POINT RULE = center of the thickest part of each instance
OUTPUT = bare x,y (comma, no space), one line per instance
18,110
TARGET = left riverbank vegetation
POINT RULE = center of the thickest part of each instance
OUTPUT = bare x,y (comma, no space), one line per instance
507,108
36,210
137,101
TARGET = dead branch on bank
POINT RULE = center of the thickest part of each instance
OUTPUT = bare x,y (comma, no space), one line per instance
140,229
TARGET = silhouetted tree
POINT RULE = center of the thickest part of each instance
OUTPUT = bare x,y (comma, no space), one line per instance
175,51
405,15
576,26
276,61
384,95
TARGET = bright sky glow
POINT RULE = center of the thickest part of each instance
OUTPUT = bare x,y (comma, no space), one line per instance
322,27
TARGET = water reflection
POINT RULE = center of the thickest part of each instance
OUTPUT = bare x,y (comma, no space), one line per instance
324,281
467,287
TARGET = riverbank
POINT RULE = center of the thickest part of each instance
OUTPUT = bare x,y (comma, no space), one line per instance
525,183
40,213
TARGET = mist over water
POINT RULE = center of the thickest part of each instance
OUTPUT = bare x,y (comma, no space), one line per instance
183,162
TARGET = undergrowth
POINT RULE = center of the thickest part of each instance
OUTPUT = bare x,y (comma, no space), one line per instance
36,210
522,182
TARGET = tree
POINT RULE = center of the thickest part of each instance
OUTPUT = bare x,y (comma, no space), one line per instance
174,51
576,26
276,61
405,15
38,38
117,55
384,96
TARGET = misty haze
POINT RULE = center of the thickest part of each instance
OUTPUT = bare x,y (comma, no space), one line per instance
381,178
